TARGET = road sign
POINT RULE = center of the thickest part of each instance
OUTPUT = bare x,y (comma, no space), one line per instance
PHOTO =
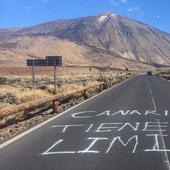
54,57
54,60
30,62
37,63
50,61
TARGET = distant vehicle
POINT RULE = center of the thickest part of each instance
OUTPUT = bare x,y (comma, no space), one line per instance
149,73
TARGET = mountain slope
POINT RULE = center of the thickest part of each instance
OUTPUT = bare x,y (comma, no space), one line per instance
93,40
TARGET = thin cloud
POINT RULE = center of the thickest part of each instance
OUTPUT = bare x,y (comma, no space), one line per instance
141,15
29,6
80,6
46,0
122,0
113,3
158,16
133,9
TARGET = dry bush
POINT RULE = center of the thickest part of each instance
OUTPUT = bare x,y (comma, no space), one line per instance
69,87
13,96
50,88
3,105
28,95
3,80
64,88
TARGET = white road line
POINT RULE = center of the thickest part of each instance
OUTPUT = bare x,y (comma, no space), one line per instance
153,101
49,120
150,90
165,155
154,105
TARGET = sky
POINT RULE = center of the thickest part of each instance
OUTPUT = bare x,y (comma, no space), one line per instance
24,13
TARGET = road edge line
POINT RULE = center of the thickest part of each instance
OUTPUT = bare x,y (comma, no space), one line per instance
165,155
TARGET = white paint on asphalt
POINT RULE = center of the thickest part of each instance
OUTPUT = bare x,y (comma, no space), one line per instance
52,153
165,155
150,91
102,127
52,149
87,150
66,126
106,127
117,126
166,112
107,113
163,146
98,131
89,127
79,113
152,112
153,101
135,128
149,88
154,105
124,144
157,147
155,126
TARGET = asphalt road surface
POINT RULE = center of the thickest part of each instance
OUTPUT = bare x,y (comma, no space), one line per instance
124,128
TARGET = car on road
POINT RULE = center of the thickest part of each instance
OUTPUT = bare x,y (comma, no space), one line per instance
149,73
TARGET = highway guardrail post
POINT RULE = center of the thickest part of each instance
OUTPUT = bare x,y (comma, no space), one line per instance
55,104
85,94
101,88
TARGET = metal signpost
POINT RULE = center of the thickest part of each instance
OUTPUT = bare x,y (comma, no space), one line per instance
54,61
111,71
50,61
34,63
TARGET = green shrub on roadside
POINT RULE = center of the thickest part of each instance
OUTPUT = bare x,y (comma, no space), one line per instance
66,99
3,80
128,76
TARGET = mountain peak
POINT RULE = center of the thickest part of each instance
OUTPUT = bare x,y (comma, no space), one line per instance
105,13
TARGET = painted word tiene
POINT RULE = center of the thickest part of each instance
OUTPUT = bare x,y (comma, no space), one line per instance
108,127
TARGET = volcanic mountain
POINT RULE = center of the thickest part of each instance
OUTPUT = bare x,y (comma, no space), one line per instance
94,40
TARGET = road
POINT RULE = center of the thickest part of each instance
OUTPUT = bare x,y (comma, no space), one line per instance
123,128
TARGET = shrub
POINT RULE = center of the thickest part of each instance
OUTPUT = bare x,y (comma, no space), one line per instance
3,80
128,76
66,99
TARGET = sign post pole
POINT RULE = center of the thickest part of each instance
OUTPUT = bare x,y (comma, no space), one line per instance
55,103
55,75
33,77
111,71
